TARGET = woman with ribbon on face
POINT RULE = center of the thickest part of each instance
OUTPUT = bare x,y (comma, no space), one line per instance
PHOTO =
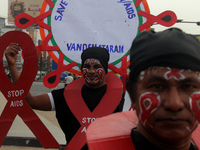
82,101
164,87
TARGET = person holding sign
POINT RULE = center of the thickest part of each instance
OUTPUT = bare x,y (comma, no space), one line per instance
82,101
164,87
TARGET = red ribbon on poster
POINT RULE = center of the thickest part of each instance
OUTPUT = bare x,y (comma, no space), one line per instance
57,73
24,20
122,71
16,94
107,105
152,19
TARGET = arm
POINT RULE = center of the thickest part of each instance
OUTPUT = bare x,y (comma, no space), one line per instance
40,102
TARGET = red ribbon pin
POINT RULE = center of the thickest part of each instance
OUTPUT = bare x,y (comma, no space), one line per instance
16,94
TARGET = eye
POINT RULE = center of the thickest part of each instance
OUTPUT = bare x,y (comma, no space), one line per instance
188,86
86,66
157,86
97,66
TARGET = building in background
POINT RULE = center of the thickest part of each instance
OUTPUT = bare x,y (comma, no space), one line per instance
31,7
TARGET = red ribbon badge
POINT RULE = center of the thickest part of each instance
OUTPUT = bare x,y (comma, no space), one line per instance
16,94
80,110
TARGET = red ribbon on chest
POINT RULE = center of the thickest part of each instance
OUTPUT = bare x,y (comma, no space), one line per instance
107,105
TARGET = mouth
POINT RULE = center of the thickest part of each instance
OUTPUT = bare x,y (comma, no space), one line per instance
92,77
172,120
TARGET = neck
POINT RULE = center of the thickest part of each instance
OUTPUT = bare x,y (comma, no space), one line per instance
167,144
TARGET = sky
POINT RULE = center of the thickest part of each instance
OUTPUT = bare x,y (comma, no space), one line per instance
187,10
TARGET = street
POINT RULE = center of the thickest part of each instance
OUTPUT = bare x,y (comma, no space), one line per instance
39,88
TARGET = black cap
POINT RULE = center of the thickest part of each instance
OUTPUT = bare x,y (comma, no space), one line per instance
169,48
98,53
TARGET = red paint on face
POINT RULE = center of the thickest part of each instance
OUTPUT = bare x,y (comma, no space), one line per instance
100,73
85,71
174,73
94,73
149,102
195,104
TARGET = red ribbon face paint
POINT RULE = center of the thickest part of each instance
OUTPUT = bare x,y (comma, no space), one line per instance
85,71
195,104
149,102
100,75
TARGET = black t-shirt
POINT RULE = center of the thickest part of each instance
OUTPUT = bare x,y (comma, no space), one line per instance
141,143
67,121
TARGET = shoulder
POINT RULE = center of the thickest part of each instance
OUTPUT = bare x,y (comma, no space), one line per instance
57,91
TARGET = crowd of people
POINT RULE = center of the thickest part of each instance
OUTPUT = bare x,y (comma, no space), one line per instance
163,85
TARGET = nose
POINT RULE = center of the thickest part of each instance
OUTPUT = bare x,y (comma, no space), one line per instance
91,70
173,100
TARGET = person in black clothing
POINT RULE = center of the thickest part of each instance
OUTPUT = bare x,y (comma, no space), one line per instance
94,68
164,87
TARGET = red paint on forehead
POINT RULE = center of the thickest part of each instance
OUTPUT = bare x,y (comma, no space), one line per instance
174,73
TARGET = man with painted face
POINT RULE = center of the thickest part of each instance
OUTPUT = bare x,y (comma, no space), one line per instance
95,89
164,86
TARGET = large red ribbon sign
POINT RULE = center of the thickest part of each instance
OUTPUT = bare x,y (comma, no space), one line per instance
80,110
16,94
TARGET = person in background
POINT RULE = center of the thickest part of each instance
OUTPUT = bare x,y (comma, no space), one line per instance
94,69
68,79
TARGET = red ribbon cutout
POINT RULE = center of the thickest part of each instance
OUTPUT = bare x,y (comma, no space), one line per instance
16,94
122,72
57,72
80,110
30,20
158,19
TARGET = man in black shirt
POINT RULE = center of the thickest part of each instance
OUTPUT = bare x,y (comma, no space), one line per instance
164,87
93,91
